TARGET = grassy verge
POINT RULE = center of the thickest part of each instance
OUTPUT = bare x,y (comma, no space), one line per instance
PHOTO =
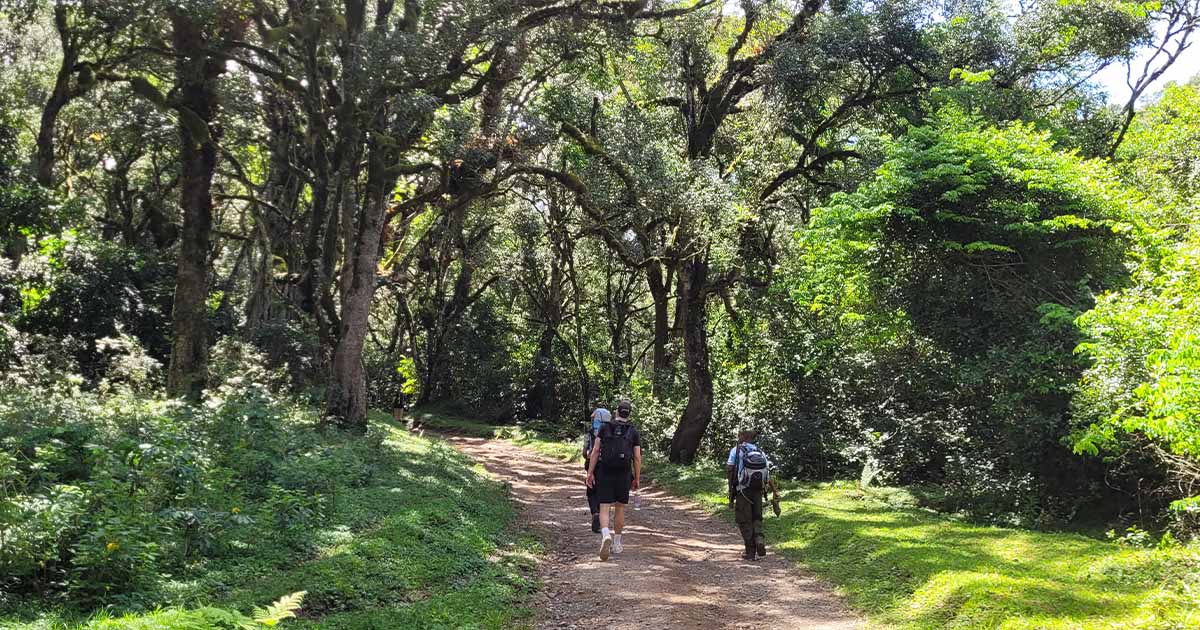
907,567
547,445
910,568
417,542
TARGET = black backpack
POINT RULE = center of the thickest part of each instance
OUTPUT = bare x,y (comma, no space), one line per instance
616,445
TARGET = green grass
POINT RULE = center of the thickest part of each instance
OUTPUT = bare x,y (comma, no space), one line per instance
550,446
908,567
421,545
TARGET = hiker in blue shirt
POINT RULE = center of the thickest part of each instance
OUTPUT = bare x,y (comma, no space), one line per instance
748,471
600,417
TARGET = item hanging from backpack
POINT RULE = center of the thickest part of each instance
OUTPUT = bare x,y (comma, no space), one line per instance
616,445
588,444
754,471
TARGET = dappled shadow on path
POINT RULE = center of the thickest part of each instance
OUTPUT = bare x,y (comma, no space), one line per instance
681,567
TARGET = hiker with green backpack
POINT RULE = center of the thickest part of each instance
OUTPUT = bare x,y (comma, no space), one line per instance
749,472
614,468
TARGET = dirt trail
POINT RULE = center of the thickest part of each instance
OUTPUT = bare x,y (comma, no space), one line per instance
681,567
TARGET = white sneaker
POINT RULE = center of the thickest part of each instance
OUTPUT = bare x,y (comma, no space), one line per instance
616,543
606,546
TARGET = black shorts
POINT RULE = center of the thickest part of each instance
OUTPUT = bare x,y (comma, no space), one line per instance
612,486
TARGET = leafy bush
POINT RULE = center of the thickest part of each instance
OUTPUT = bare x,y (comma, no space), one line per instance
103,492
1138,404
76,291
934,306
1144,387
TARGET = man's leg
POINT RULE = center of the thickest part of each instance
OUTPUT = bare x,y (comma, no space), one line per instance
742,511
756,516
606,539
593,502
594,508
619,518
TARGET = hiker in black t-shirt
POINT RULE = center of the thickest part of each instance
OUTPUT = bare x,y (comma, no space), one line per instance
614,468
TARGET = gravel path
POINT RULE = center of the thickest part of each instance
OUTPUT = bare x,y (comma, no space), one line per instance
681,567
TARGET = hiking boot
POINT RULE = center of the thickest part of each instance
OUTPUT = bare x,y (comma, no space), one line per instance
595,523
748,555
616,543
606,547
760,545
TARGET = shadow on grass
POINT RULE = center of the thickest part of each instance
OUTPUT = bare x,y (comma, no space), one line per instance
912,568
412,549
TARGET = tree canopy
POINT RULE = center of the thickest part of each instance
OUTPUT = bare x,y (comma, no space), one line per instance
910,241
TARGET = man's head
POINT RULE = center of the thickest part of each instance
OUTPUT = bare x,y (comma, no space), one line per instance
624,408
747,435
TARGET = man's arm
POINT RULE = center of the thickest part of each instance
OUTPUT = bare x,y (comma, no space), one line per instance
731,477
591,469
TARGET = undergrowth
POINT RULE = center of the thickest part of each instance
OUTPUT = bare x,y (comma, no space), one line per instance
124,511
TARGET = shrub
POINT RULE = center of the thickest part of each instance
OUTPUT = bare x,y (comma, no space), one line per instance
104,491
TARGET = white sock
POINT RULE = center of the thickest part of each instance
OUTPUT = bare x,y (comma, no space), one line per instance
605,532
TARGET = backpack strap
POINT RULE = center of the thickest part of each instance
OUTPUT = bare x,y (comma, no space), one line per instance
738,464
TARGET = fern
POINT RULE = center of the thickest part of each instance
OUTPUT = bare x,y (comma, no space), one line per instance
283,608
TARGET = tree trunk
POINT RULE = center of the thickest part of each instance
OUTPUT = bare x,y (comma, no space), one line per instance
616,298
541,400
274,229
196,74
60,95
661,294
693,292
348,384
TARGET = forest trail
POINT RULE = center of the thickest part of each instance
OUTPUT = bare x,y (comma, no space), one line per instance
681,567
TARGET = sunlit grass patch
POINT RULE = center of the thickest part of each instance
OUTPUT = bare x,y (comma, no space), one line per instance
908,567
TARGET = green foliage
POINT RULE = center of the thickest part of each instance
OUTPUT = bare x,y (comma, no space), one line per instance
1147,355
935,305
25,207
78,291
126,501
1138,400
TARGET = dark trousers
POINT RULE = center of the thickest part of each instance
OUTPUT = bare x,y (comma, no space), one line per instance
593,500
748,512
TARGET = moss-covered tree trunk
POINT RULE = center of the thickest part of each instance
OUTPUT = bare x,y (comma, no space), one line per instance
196,74
693,292
659,281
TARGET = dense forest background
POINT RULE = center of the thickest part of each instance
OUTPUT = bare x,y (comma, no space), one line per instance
910,242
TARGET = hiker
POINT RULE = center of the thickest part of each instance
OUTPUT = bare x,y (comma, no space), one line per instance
600,417
748,470
614,468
